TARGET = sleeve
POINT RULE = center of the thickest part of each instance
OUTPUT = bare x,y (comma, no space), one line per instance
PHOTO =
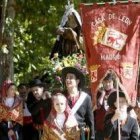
33,105
90,118
3,128
98,96
108,126
135,129
17,128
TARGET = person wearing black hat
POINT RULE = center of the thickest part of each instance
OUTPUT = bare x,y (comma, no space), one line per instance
78,100
128,124
39,106
107,88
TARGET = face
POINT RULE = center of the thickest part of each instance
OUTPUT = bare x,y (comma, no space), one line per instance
59,103
37,92
11,91
23,92
71,81
71,21
122,104
108,84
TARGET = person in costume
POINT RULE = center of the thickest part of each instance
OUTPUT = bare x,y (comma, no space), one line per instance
39,106
79,101
68,33
128,124
61,124
108,86
10,113
27,118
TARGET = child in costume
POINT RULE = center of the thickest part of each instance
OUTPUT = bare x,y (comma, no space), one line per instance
128,124
61,124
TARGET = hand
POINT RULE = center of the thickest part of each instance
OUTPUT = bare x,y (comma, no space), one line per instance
101,98
11,133
116,116
60,31
44,96
95,107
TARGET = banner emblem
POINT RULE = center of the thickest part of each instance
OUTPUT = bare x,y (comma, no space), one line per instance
128,70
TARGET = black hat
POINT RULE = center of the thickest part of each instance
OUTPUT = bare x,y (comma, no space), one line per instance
36,82
109,76
79,75
113,97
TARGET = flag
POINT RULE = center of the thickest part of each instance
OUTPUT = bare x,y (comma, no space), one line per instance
112,40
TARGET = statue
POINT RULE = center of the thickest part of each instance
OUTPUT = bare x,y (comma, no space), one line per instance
68,33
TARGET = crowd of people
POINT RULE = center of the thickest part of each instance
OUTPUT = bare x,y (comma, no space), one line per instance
32,114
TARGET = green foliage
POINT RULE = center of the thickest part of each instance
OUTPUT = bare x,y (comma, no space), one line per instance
52,72
34,35
35,26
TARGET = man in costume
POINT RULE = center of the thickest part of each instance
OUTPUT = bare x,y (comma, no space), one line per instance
39,106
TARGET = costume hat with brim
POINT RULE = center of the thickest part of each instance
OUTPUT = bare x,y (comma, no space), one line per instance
109,76
79,75
113,98
36,82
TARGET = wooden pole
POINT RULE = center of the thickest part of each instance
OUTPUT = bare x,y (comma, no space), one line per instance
101,3
119,136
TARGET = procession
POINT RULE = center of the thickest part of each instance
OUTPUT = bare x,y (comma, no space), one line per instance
88,85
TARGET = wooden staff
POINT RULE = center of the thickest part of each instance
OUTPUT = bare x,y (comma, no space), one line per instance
117,82
112,2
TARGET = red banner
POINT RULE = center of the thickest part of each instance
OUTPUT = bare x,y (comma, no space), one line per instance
112,39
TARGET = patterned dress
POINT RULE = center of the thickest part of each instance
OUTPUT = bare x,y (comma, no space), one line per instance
11,118
52,131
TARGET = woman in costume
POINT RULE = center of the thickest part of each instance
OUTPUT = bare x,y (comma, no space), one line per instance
102,107
61,124
10,113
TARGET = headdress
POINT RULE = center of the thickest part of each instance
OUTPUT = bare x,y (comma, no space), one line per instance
79,75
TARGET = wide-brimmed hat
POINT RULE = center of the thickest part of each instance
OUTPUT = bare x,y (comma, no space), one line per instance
109,76
113,97
36,82
79,75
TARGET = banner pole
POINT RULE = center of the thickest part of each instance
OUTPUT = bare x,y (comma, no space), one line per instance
101,3
119,137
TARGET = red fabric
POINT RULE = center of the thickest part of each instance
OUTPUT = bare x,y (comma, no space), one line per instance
27,120
5,87
112,40
73,99
99,119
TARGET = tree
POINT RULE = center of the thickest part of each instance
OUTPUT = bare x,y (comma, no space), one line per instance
6,40
30,34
